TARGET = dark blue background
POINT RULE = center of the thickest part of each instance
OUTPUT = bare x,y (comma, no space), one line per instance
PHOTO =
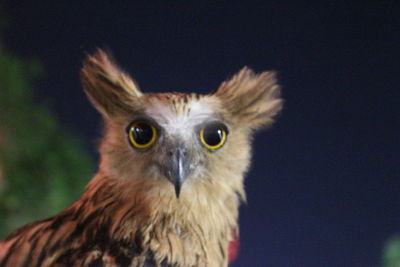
324,186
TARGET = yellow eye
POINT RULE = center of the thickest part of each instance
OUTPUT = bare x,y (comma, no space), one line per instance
213,136
141,134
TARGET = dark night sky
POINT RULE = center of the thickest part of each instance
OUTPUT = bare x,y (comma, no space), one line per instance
324,188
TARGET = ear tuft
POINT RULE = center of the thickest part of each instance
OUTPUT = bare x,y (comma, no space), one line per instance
110,90
253,99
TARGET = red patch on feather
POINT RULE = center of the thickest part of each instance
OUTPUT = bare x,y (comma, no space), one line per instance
233,249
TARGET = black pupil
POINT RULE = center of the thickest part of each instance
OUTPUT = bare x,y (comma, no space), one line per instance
213,135
142,133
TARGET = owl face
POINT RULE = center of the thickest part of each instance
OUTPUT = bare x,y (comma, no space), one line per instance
179,135
177,141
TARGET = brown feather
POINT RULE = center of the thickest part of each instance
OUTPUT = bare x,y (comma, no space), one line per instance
109,89
253,99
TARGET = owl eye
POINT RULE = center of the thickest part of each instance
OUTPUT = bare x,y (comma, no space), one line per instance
141,134
213,136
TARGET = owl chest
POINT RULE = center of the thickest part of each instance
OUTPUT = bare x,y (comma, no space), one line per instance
111,257
122,256
155,248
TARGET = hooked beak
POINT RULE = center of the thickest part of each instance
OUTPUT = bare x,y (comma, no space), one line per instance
178,169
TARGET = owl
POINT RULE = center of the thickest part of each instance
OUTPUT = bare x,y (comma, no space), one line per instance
170,178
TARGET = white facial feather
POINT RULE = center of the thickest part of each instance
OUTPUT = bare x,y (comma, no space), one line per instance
179,124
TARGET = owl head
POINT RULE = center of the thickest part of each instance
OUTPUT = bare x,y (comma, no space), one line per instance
179,144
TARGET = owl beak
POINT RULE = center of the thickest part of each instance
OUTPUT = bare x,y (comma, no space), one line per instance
178,169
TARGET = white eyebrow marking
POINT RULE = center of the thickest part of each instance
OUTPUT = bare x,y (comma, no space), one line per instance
176,123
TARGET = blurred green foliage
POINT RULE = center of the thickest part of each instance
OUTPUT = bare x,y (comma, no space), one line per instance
43,168
391,252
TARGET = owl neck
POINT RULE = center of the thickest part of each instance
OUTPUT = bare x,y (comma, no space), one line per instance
194,230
